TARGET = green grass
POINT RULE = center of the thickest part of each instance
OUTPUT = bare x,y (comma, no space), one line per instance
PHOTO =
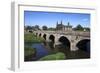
29,51
57,56
31,38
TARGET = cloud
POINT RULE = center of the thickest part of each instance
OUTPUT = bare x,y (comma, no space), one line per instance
85,19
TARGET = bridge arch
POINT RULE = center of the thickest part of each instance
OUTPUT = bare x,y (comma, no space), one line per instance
65,42
52,38
30,31
84,45
36,34
40,35
44,36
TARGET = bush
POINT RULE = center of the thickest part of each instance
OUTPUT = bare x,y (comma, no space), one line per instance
57,56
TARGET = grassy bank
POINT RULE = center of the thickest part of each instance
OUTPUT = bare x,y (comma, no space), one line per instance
57,56
29,53
31,38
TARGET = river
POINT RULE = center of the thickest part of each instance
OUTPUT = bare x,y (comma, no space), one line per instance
44,50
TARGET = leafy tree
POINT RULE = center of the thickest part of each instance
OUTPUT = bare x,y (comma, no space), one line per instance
33,28
87,28
44,27
52,29
28,28
79,27
37,27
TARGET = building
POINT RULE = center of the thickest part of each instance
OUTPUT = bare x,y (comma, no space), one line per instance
59,26
62,27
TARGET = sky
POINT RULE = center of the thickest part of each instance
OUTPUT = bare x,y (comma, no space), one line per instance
50,19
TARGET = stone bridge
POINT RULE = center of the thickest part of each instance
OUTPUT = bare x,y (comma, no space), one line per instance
71,38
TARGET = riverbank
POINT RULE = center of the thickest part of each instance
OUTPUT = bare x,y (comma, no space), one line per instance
29,40
32,38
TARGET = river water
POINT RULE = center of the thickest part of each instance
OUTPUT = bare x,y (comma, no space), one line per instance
41,50
46,49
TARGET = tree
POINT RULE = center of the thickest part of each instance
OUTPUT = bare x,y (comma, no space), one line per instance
44,27
28,28
52,29
87,28
33,28
79,27
37,27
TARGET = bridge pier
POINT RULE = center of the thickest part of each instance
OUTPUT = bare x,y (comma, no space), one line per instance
56,43
73,46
